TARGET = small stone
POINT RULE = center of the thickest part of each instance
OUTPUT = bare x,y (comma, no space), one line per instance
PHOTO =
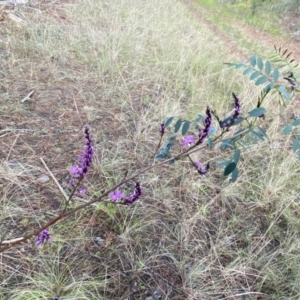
99,240
156,295
44,178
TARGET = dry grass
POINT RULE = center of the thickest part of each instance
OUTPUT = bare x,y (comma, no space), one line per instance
123,67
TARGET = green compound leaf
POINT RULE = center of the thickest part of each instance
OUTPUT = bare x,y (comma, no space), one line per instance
185,127
229,169
261,80
177,125
172,137
256,112
281,89
169,121
258,134
226,144
236,155
238,121
200,118
253,60
286,95
212,130
296,143
275,74
262,132
223,164
254,75
248,71
296,122
240,65
269,87
259,63
268,67
287,129
209,143
234,175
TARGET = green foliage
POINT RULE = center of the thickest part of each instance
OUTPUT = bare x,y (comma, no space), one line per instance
185,127
256,112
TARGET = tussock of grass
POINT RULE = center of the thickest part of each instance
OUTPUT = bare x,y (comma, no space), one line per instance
123,67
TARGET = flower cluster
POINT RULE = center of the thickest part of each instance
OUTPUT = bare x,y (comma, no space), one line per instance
162,129
118,195
207,124
237,112
43,236
188,141
85,159
201,170
136,194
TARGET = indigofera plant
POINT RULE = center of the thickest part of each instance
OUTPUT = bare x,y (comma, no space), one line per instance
234,132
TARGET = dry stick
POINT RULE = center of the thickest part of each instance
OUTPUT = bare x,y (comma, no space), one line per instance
55,180
64,213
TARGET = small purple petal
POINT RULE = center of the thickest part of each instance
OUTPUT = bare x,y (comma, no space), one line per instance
114,196
43,236
188,141
201,170
82,191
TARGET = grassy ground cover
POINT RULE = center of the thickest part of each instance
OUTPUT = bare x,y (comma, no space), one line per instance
123,67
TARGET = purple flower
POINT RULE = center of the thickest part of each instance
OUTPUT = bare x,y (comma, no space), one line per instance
162,128
201,170
188,141
43,236
136,194
86,157
236,114
114,196
237,108
82,191
207,124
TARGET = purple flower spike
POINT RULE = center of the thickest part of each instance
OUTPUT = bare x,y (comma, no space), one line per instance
136,195
201,170
162,128
86,157
207,124
43,236
236,114
188,141
114,196
237,108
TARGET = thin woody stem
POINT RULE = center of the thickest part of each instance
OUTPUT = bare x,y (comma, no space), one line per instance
65,213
